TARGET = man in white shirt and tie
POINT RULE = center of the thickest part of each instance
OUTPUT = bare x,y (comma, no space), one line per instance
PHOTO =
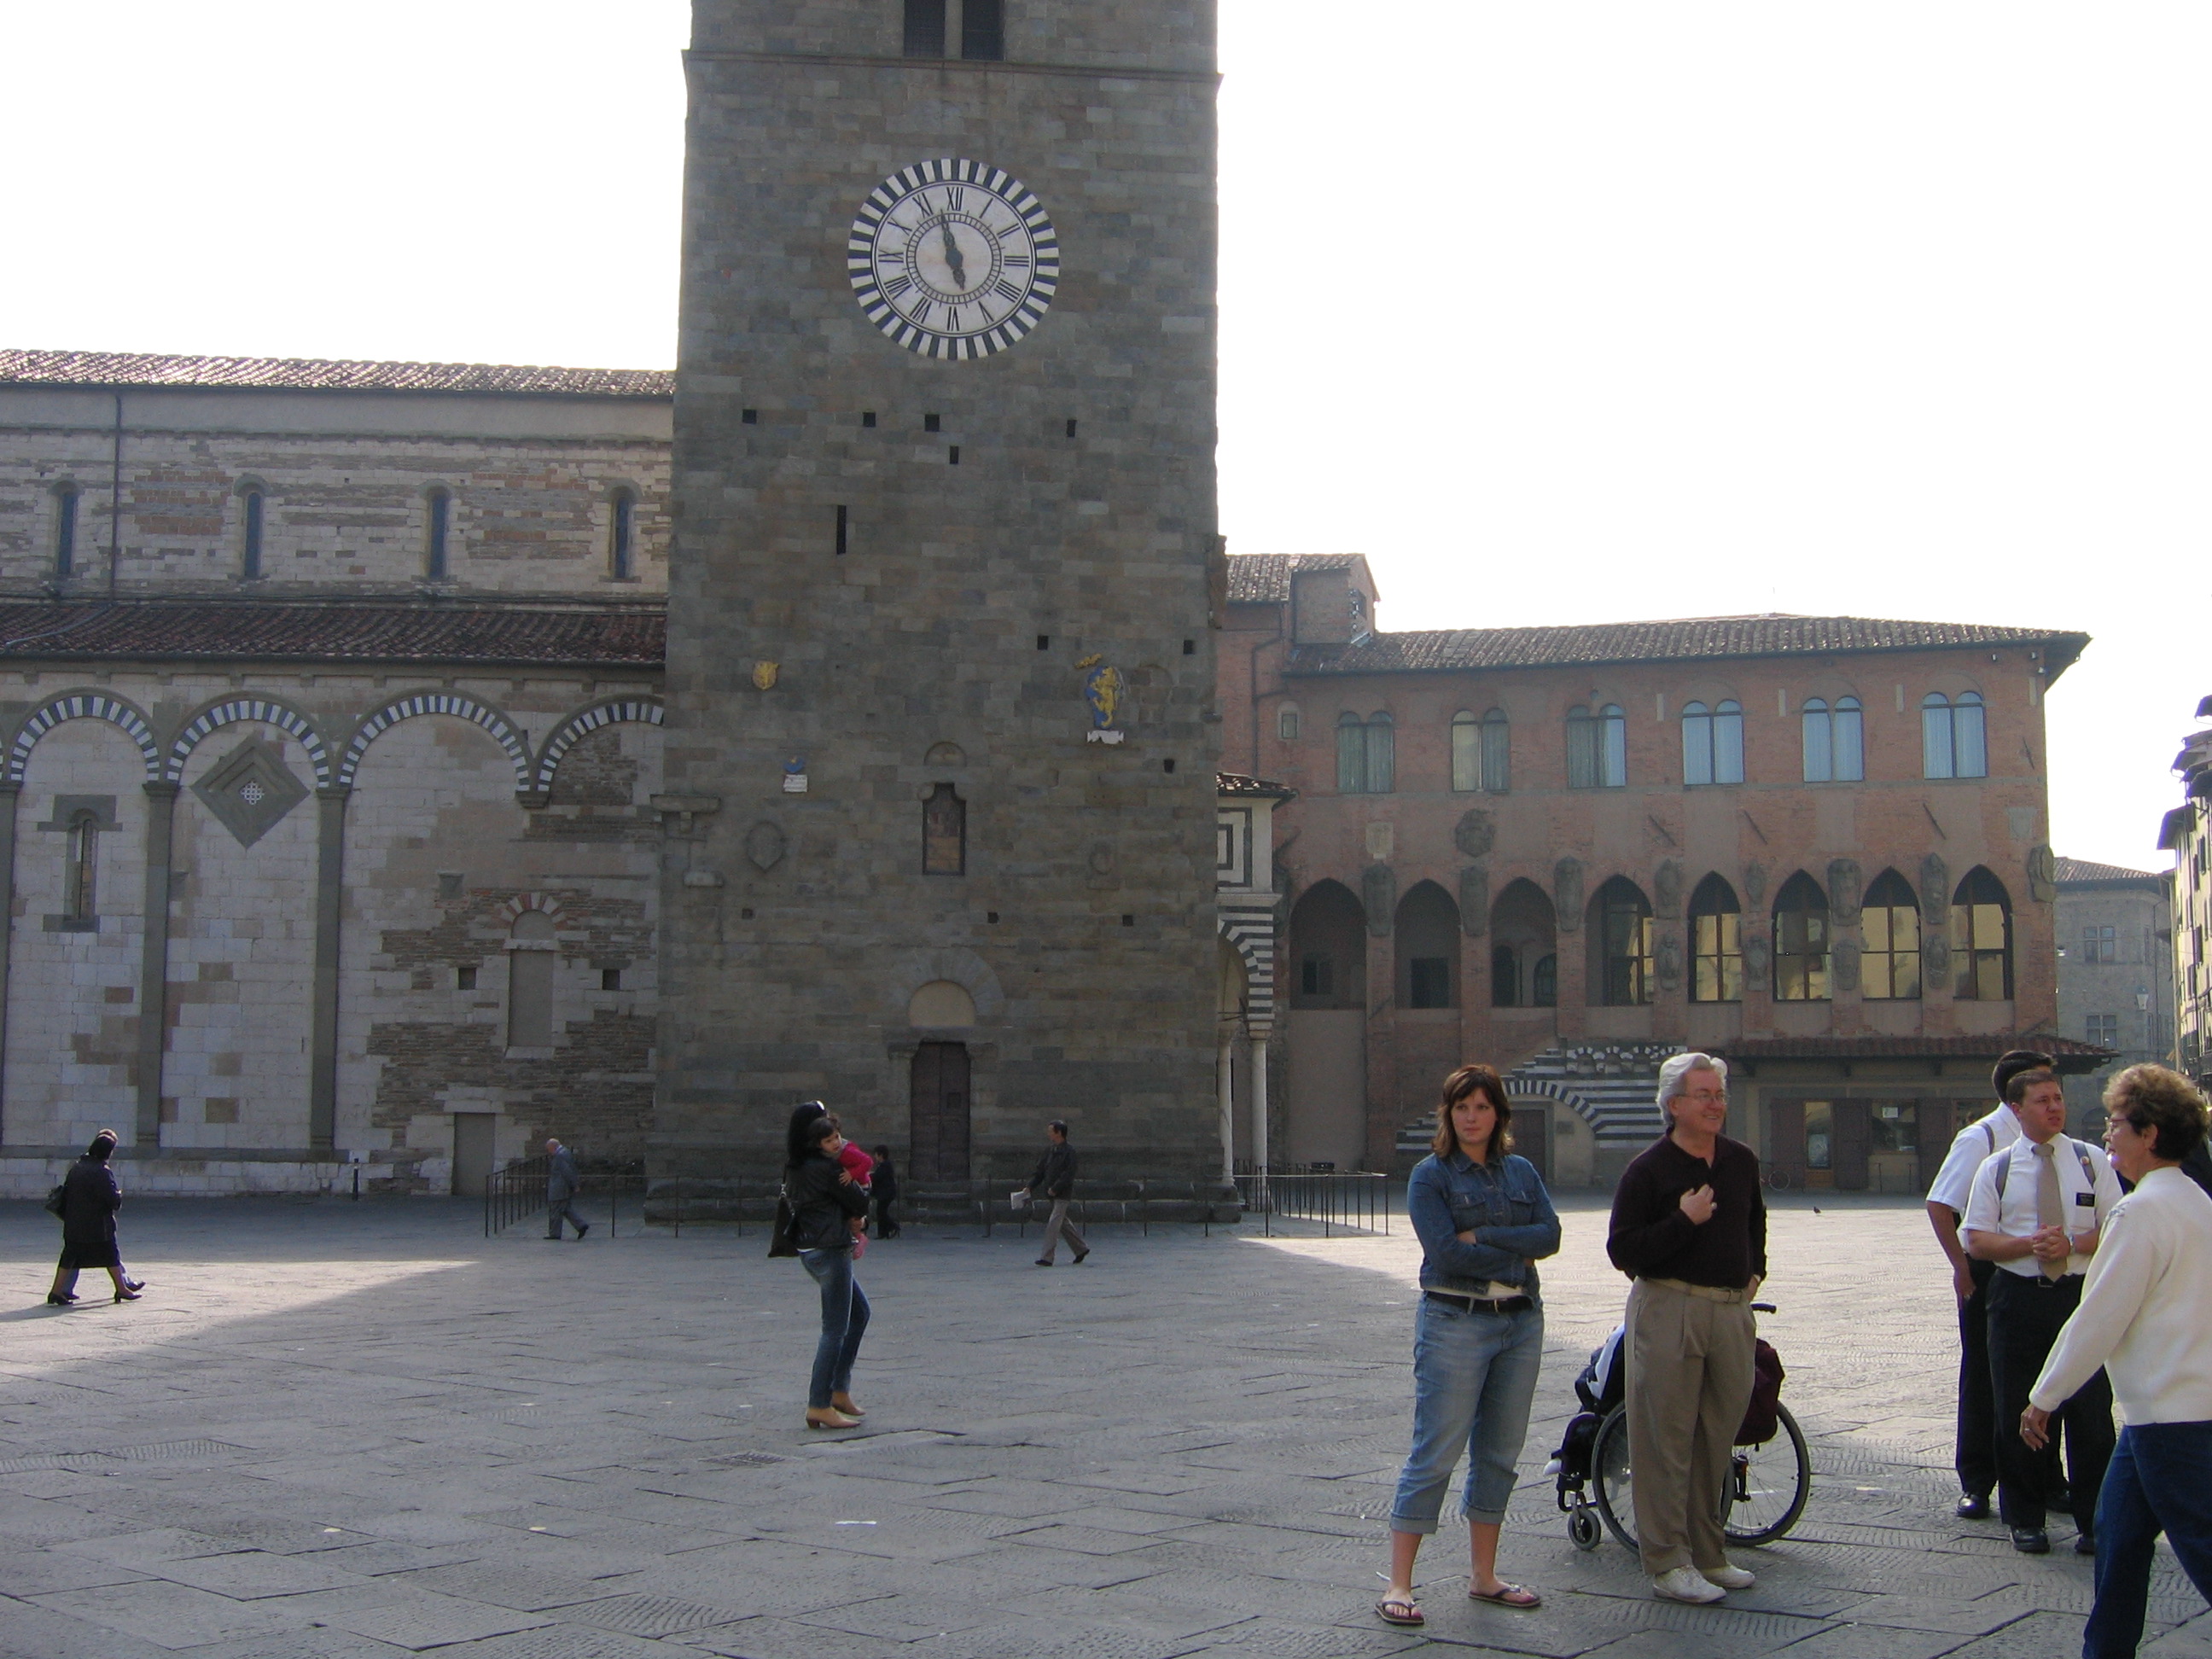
1974,1455
2142,1318
2036,1211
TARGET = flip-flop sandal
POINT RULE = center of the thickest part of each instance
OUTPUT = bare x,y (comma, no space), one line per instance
1509,1595
1397,1610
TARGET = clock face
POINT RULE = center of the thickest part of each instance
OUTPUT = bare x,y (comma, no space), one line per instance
953,259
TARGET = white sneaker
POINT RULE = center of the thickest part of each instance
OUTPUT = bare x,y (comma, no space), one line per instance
1728,1576
1685,1585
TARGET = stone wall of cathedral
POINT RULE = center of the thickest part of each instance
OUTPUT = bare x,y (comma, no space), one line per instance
349,485
463,892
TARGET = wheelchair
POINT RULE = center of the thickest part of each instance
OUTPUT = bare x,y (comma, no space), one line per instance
1771,1472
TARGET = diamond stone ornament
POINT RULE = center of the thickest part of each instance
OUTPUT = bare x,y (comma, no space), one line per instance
249,790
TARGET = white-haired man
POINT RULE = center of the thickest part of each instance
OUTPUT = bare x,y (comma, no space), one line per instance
1689,1226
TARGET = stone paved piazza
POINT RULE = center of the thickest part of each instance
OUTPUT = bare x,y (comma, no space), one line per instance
354,1430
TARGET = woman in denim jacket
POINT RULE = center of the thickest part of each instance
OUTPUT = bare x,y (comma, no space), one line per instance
1484,1219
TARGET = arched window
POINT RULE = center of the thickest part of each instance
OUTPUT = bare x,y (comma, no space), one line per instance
81,879
1835,748
65,506
1497,753
532,955
925,29
1890,969
1800,941
1329,948
1466,751
1713,743
1953,737
1715,943
1367,754
1597,748
1479,751
621,539
1286,722
1524,935
438,534
944,833
1621,945
252,512
1981,939
1426,935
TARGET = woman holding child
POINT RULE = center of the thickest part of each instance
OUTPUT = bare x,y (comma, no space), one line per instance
827,1204
1484,1219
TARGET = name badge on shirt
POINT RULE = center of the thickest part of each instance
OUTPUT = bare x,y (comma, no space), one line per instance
2085,1200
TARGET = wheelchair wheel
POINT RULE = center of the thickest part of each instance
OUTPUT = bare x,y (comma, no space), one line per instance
1583,1526
1769,1486
1611,1477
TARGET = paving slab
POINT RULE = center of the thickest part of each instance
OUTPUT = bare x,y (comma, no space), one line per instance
355,1431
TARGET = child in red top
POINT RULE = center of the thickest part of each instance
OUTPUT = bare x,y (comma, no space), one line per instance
861,1167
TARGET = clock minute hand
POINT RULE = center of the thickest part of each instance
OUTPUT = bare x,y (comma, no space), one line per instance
952,253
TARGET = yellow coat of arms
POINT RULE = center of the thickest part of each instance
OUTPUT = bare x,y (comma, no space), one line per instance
763,675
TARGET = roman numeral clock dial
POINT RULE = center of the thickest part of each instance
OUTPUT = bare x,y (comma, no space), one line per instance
953,259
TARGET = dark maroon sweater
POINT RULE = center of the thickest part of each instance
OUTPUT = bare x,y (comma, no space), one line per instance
1651,1238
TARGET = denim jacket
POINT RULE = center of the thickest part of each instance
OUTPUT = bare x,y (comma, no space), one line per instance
1506,1202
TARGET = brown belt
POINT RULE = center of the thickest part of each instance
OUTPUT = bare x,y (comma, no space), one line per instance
1704,1292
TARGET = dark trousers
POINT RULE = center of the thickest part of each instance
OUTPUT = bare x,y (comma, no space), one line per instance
2025,1317
844,1322
1975,1456
556,1209
2160,1480
886,1223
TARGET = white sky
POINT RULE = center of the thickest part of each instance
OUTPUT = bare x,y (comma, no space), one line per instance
1561,312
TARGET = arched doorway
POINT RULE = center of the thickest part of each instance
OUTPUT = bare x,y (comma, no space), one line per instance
1327,1099
937,1126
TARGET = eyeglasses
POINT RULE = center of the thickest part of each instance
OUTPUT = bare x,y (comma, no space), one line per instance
1706,1096
2117,1122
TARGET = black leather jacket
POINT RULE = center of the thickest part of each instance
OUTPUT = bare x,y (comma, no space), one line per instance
1054,1177
821,1204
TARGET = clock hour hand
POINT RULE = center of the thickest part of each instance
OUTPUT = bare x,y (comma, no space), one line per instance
952,253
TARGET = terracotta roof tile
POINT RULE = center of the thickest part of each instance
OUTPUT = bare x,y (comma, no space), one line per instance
2071,1055
2083,870
633,637
1237,783
1689,638
127,369
1265,578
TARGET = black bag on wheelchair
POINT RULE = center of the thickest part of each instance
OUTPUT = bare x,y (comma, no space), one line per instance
1601,1386
1761,1421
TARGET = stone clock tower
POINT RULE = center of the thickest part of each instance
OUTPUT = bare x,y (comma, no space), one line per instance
941,742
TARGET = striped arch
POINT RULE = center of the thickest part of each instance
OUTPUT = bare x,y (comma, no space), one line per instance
523,903
284,718
502,730
1251,930
83,706
580,725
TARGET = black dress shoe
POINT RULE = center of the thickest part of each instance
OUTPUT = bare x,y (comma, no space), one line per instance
2031,1540
1041,1263
54,1301
2085,1543
1973,1506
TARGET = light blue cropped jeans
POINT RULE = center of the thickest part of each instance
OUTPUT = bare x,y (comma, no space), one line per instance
1474,1374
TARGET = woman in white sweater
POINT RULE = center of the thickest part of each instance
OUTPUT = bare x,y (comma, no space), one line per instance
2142,1319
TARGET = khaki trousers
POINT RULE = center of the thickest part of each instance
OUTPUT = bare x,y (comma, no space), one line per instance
1060,1226
1689,1384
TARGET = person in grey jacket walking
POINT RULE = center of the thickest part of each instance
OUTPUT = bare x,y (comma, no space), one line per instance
1054,1180
562,1185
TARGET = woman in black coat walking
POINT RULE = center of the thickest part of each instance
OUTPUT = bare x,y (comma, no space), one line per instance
825,1202
90,1199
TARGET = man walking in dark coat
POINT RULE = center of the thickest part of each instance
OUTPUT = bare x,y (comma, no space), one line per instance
1054,1180
562,1184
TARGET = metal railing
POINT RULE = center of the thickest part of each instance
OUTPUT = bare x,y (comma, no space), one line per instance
516,1191
1353,1201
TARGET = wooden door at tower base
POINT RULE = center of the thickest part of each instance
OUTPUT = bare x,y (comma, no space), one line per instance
937,1121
